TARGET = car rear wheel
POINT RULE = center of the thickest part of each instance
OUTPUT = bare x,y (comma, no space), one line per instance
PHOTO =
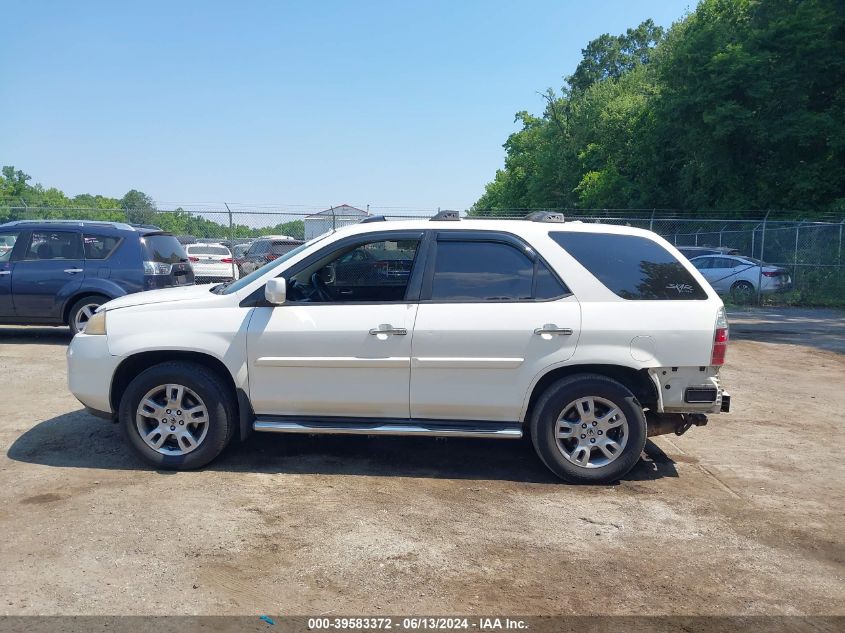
83,310
178,415
742,292
588,429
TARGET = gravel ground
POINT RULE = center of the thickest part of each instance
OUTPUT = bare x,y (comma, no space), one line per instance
743,516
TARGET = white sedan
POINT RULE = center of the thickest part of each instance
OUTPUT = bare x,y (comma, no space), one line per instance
211,263
738,275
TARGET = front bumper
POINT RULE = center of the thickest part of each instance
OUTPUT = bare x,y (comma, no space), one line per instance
90,368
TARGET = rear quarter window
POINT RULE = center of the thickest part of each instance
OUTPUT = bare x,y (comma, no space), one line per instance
631,266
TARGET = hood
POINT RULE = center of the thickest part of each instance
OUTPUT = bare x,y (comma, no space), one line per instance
164,295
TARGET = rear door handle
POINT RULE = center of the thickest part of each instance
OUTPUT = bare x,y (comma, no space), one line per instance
5,272
550,328
386,328
73,271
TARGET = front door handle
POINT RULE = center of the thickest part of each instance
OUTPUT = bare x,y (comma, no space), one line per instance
73,271
386,328
5,272
551,328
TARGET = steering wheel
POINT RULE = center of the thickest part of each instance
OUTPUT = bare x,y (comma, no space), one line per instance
320,286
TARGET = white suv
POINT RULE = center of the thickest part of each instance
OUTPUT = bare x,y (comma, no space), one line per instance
587,337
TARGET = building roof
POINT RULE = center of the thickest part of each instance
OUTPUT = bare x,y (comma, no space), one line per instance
341,210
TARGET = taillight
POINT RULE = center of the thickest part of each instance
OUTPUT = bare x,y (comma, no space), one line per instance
193,259
270,257
772,273
226,260
720,339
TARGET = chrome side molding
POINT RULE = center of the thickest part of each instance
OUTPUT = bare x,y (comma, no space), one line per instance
424,428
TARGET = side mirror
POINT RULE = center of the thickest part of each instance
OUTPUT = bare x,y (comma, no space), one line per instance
275,290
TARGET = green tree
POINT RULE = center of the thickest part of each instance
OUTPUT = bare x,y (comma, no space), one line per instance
741,105
752,105
13,182
611,56
140,208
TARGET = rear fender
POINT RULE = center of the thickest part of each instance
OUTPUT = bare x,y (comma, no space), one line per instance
93,286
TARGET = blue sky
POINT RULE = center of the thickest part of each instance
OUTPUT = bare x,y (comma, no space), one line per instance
393,104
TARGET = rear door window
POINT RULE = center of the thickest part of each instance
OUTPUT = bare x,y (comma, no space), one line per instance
726,262
546,284
165,249
631,266
99,246
481,271
478,270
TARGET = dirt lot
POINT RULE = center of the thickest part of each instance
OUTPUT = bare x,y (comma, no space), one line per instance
744,516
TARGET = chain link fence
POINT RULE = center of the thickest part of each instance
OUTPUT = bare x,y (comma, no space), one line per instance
811,250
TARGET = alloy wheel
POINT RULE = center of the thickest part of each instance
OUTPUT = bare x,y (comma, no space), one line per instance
172,419
591,432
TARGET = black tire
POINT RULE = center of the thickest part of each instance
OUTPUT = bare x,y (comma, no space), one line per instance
551,406
743,292
215,395
74,321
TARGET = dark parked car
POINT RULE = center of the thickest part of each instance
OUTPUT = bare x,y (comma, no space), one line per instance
264,250
59,272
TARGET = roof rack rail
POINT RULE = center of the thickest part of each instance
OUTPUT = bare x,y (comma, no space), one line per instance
446,216
79,223
545,216
373,218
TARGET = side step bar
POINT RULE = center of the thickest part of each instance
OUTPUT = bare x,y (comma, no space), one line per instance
425,428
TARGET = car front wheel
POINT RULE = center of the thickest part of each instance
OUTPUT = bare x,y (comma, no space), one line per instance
178,415
588,429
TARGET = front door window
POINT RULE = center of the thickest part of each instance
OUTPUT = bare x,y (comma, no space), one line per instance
376,271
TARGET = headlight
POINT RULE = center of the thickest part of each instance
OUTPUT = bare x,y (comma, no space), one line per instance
96,324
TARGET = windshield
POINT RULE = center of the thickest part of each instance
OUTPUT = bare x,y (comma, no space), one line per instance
260,272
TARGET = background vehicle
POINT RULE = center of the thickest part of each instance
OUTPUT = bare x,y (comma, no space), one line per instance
266,249
211,262
695,251
60,272
588,337
739,275
239,250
